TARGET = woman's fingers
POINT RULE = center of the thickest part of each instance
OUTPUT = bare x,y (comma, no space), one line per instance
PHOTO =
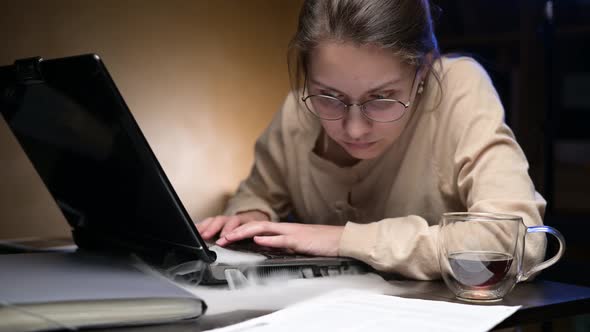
214,227
209,227
230,225
202,226
250,230
319,240
276,241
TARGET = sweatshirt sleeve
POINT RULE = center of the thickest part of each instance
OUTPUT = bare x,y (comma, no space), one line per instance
265,189
404,245
489,169
478,162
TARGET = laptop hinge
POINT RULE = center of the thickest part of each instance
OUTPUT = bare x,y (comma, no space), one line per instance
28,70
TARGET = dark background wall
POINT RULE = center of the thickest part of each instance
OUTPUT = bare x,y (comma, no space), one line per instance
203,78
537,56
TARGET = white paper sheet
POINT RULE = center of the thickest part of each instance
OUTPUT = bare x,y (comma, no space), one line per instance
354,310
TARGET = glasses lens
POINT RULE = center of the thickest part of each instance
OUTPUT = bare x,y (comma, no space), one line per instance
325,107
384,110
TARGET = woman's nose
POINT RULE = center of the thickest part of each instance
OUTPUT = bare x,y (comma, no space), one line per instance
355,124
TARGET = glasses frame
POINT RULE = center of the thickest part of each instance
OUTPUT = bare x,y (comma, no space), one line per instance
361,105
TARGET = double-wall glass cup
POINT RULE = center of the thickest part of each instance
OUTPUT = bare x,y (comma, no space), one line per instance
481,254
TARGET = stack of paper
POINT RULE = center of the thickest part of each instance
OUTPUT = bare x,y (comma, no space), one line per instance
353,310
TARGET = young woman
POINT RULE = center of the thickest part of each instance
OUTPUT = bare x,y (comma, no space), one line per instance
378,138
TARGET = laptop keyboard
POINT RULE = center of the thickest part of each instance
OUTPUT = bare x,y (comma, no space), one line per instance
290,269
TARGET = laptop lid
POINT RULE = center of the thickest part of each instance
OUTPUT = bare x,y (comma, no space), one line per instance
74,126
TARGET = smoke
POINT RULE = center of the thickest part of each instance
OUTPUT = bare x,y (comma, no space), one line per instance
279,291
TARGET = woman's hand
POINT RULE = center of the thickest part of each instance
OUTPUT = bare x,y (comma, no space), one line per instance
318,240
209,227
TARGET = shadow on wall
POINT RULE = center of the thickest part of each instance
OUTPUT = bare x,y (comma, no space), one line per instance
202,80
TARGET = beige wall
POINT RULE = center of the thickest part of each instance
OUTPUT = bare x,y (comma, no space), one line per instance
202,78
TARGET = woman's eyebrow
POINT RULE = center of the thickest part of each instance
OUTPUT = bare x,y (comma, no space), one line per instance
377,88
324,86
384,85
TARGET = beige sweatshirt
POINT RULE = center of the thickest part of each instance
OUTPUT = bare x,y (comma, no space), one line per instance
456,154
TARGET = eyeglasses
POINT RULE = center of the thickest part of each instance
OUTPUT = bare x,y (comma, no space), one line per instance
379,110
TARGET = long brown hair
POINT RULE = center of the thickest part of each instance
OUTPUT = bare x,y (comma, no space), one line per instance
402,26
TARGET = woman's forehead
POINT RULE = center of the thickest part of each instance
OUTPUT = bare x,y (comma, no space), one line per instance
346,65
334,58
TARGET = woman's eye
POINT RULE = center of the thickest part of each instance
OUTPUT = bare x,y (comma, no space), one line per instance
384,95
330,94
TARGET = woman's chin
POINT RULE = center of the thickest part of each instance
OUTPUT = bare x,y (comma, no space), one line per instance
363,151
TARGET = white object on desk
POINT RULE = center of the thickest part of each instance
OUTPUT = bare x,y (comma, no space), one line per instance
353,310
56,291
233,257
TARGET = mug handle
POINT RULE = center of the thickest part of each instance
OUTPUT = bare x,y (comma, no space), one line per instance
552,260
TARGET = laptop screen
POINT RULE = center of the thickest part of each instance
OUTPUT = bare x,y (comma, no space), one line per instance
76,129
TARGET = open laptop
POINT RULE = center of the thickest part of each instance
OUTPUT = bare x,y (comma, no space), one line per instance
74,126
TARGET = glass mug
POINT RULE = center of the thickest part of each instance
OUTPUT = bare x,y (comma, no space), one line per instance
481,254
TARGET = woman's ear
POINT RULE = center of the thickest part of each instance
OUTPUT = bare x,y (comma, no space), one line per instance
423,71
425,67
420,87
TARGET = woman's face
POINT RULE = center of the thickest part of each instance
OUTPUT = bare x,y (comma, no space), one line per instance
355,74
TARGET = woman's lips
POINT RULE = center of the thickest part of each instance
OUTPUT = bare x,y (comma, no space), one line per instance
359,145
